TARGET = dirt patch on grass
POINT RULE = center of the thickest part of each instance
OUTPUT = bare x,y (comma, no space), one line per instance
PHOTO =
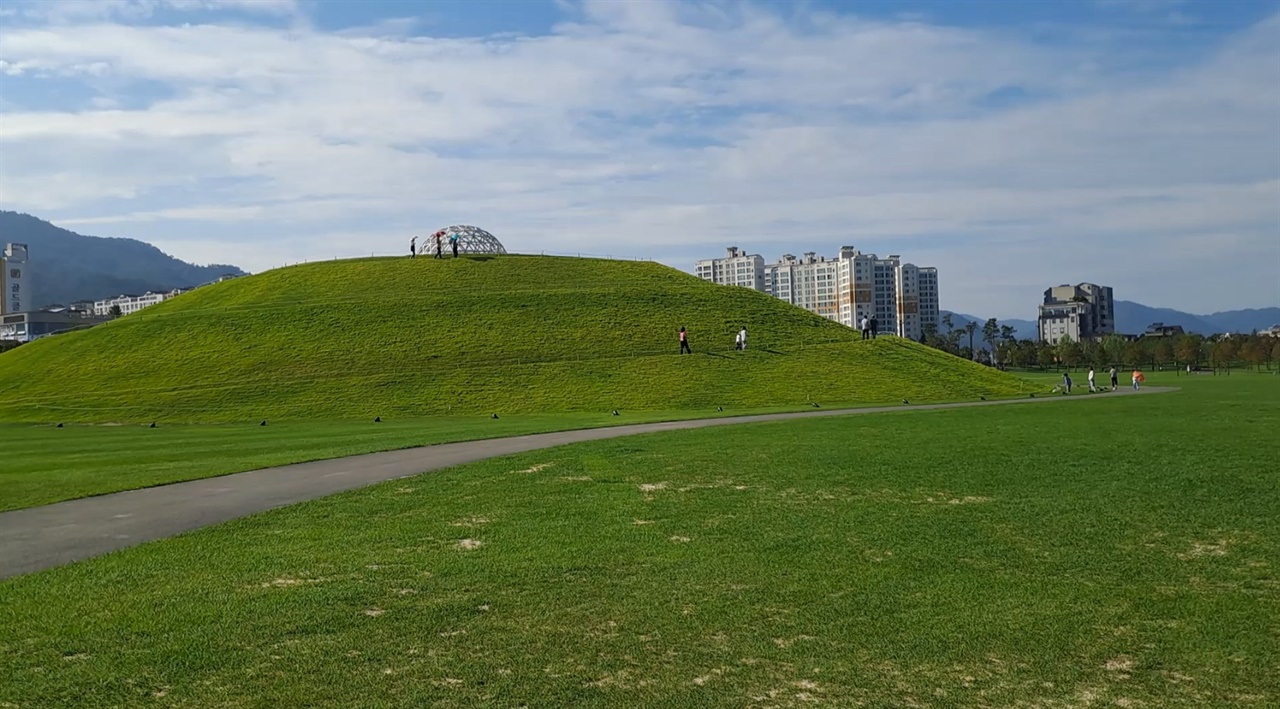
642,522
469,544
374,612
652,487
1123,663
288,582
1201,549
470,522
534,468
680,540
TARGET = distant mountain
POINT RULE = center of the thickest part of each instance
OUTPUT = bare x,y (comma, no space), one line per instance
1023,329
1134,318
66,267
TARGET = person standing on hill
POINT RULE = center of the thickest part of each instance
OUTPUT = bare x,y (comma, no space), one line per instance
439,244
742,338
1066,382
684,342
1092,387
866,328
1115,378
453,241
875,327
413,247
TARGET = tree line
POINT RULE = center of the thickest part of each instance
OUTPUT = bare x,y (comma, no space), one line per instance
1005,350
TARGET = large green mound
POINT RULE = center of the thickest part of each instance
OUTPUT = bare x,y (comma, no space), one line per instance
402,337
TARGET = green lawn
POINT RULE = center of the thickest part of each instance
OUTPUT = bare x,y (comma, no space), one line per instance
1118,552
412,338
45,464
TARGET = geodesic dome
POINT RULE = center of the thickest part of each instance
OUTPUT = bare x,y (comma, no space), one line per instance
471,240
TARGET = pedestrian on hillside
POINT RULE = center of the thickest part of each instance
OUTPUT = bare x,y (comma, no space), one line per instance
439,244
1115,379
866,328
684,342
413,247
1092,387
875,327
453,241
737,341
742,337
1138,379
1066,382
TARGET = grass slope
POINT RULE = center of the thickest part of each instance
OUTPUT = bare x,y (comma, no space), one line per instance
401,337
929,559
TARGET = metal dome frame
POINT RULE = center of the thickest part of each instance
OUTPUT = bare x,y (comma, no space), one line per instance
471,240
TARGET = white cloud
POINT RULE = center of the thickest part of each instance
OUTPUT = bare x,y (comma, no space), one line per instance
823,131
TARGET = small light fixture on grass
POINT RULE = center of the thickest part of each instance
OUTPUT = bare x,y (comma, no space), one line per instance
377,419
263,422
153,425
495,416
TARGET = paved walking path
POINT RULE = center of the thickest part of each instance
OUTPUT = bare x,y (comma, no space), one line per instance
43,537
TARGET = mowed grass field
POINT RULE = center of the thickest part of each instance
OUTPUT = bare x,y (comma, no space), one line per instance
45,464
514,334
1117,552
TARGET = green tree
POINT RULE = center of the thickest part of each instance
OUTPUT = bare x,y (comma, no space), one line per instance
1134,354
1162,351
991,333
1044,354
970,328
1224,352
1188,349
1114,347
1275,353
114,312
1068,351
1252,352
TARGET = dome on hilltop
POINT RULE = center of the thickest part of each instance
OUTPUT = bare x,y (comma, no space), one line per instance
471,240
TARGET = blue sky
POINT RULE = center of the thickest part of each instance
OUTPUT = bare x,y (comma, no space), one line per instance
1014,145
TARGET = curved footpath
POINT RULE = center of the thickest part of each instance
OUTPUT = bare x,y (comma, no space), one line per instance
44,537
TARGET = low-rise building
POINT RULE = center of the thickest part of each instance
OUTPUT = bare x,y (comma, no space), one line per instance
1159,329
133,303
25,327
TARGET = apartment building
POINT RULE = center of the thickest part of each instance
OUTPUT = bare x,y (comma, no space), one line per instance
901,296
737,268
134,303
1085,311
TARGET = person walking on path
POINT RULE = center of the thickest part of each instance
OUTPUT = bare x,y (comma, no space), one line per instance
875,327
413,247
1138,379
1115,379
439,244
453,241
1093,388
742,338
1066,382
866,328
684,342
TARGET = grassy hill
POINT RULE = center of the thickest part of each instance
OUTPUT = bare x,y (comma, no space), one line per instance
514,334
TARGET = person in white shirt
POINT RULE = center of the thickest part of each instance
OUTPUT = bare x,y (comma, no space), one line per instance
1092,387
866,328
742,338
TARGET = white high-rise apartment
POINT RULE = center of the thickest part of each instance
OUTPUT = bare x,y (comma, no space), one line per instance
737,268
902,297
809,282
